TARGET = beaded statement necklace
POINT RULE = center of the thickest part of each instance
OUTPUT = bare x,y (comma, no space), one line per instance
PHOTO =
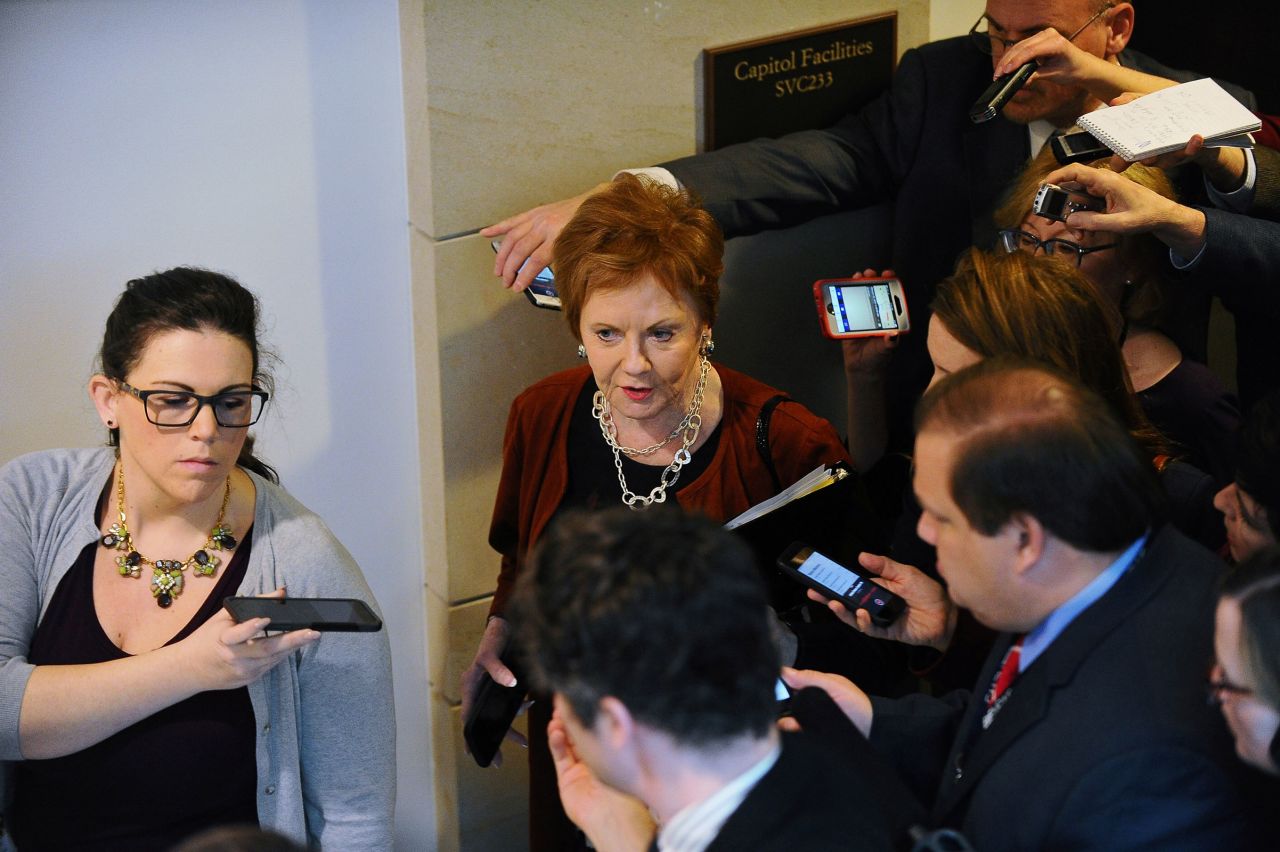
689,426
167,580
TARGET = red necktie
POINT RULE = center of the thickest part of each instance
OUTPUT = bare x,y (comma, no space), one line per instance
1008,671
999,691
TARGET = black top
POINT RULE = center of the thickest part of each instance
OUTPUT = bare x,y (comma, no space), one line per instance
1192,409
186,768
593,479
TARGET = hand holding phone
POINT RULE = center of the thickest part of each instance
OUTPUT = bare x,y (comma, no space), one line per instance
929,618
1056,203
344,615
999,93
541,291
833,580
861,307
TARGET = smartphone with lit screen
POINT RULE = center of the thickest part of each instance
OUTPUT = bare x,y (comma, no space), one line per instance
833,580
863,307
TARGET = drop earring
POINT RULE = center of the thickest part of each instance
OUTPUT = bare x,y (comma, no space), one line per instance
582,350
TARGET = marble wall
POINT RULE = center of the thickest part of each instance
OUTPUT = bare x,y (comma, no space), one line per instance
509,105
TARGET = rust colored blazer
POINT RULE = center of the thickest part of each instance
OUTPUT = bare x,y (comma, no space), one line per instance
535,463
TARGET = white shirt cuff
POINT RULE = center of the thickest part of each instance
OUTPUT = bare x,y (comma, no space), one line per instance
1181,263
657,174
1240,200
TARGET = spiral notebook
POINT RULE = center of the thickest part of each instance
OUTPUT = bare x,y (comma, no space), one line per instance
1163,121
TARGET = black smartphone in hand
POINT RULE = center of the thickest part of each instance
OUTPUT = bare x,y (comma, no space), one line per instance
833,580
493,710
344,615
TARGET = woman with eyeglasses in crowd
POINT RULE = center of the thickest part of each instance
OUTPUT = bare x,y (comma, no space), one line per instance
1246,680
134,711
1180,395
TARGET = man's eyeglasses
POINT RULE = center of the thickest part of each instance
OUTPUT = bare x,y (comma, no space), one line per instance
233,409
994,45
1012,239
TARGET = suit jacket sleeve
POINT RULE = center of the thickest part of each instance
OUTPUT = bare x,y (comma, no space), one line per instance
505,528
1242,261
1165,798
916,733
770,183
1266,195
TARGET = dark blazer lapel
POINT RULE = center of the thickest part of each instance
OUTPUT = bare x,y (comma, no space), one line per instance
1028,700
1032,693
994,152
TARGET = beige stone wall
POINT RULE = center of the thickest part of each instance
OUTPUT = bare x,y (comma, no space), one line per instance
508,105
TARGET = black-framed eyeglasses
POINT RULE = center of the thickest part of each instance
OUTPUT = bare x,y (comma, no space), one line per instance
987,42
1014,239
233,409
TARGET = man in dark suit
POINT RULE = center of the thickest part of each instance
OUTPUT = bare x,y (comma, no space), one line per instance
913,146
653,633
1087,727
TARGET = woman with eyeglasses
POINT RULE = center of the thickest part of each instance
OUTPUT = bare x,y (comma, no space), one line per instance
1180,395
134,711
1246,680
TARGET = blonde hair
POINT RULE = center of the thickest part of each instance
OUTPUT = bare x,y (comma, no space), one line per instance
1141,254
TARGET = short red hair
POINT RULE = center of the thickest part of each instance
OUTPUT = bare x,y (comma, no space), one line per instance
634,229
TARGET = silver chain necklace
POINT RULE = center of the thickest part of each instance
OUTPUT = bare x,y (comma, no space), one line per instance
689,425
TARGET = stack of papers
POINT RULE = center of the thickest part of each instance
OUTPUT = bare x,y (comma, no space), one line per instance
817,479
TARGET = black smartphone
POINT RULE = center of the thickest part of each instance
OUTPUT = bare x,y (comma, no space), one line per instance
990,102
494,709
833,580
1077,147
347,615
541,291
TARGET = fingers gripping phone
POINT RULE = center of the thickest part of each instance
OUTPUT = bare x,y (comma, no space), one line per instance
346,615
833,580
1056,203
541,291
863,307
493,710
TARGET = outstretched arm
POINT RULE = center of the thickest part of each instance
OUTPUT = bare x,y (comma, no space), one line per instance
528,238
1133,209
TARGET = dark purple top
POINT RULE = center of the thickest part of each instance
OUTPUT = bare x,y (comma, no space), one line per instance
186,768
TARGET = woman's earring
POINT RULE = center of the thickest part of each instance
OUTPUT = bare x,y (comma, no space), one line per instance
708,345
582,350
111,424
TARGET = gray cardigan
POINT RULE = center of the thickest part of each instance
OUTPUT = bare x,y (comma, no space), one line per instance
325,718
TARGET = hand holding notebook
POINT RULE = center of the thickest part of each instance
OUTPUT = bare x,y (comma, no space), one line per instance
1165,120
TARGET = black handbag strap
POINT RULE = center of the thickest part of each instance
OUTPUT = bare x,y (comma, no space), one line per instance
762,435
